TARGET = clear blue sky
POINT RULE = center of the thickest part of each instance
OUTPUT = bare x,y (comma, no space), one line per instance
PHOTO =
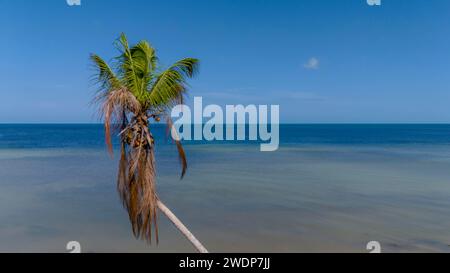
321,60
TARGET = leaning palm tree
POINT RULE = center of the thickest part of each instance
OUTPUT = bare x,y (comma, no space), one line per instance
133,92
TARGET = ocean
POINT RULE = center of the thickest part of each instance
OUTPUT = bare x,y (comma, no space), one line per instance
329,188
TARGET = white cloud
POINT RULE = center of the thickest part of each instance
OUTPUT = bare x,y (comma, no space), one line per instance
312,64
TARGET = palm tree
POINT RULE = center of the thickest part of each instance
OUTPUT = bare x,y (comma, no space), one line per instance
131,93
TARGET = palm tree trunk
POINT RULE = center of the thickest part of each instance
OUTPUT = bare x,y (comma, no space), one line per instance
182,228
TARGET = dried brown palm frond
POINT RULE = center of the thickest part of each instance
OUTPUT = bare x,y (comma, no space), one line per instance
115,106
137,178
180,149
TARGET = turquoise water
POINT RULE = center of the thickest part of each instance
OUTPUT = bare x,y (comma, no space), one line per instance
328,188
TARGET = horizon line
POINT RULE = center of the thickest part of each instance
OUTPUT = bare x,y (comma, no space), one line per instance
281,123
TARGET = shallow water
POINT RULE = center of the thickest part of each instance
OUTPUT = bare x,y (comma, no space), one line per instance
328,188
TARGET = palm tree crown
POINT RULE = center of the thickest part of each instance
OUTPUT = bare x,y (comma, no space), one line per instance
133,91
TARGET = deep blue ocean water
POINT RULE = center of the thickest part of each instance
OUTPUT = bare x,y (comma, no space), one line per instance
328,188
91,135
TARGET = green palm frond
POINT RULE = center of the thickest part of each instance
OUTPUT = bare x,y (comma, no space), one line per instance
105,77
145,61
170,85
127,68
145,57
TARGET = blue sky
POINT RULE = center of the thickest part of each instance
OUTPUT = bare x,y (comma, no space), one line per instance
322,61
